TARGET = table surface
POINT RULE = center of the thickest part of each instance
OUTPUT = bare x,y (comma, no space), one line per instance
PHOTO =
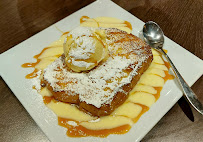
181,21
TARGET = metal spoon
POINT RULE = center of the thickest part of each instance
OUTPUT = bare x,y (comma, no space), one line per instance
154,36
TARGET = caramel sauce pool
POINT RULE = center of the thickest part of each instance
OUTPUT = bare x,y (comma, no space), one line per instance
83,19
80,131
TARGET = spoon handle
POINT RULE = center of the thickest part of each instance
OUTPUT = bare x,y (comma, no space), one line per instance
190,95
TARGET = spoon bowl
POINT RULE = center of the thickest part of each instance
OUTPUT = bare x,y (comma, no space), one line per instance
154,36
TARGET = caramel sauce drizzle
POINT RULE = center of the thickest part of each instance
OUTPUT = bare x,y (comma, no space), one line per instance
32,75
80,131
65,33
144,109
128,24
167,64
157,95
167,77
166,51
33,65
84,18
47,99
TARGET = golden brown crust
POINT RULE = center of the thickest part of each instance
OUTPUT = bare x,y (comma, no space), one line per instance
63,96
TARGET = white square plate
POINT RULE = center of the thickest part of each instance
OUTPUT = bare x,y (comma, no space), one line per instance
11,71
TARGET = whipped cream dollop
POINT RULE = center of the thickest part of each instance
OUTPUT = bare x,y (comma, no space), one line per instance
84,48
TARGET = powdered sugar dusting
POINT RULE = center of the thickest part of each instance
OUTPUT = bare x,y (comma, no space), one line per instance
84,43
72,123
82,47
80,31
96,120
36,81
81,63
100,85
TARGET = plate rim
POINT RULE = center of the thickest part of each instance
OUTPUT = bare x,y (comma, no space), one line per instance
27,109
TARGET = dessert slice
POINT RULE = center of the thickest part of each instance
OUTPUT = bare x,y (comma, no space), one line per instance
98,81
